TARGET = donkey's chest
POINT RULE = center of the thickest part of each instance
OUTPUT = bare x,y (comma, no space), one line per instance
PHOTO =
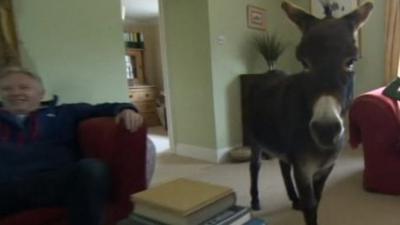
311,163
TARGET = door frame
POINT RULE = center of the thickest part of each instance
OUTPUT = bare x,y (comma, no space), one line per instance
166,77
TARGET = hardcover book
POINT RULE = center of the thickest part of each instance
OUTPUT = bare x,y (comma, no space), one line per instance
256,221
183,201
234,215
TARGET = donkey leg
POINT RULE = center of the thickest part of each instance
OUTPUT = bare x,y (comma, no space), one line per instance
319,182
290,190
307,197
255,164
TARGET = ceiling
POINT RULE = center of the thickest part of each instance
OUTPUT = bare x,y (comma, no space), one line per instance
141,11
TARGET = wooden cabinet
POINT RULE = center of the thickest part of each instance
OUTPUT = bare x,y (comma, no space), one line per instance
136,56
144,97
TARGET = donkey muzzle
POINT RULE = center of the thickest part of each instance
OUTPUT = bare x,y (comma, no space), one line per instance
326,134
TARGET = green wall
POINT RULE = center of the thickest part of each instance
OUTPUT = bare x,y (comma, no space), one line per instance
237,55
370,68
203,73
199,61
189,64
76,46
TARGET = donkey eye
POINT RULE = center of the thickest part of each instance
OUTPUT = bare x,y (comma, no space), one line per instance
305,64
349,64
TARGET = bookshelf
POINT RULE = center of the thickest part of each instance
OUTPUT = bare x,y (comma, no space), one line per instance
136,71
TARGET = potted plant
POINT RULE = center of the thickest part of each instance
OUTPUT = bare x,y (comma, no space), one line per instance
270,47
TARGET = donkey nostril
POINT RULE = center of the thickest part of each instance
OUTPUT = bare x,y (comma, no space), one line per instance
324,127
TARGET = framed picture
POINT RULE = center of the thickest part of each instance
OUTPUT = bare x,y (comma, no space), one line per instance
256,17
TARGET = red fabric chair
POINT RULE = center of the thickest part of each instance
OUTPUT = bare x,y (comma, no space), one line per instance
374,121
122,151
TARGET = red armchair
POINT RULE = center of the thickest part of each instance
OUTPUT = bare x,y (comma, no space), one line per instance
123,152
374,121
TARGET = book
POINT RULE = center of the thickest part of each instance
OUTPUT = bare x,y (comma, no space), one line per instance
256,221
234,215
183,201
141,220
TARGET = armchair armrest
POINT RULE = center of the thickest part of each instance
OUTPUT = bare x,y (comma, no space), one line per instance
125,154
374,120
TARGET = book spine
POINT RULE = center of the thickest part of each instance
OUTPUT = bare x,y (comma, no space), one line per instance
227,216
256,221
141,220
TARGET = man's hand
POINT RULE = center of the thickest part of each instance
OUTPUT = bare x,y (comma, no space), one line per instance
131,119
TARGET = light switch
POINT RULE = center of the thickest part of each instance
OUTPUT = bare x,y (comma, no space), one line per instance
221,39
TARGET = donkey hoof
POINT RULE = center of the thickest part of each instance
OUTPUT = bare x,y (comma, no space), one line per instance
255,206
296,205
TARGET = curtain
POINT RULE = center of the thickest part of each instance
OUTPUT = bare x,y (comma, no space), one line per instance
8,37
392,40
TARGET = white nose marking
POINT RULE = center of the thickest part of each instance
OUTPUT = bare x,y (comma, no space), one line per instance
327,109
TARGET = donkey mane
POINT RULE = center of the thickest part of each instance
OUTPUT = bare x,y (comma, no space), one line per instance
329,7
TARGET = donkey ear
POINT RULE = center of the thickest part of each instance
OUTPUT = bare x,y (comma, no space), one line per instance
302,19
359,16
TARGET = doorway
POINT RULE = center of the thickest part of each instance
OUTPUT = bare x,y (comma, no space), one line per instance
145,73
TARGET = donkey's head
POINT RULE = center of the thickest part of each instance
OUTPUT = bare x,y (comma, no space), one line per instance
328,52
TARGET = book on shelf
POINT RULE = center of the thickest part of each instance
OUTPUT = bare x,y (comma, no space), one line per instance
183,201
234,215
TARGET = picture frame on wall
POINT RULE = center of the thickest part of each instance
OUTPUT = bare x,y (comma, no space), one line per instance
256,18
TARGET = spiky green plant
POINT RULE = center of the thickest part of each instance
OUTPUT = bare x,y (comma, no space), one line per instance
270,48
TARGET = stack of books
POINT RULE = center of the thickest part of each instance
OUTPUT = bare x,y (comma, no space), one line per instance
188,202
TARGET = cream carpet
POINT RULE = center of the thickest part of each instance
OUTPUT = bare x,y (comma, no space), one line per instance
344,202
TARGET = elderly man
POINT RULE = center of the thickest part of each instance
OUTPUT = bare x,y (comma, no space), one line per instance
40,163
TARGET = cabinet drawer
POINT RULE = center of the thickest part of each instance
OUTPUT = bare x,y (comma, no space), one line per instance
151,119
147,106
142,95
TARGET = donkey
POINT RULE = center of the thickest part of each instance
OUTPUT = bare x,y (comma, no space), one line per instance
299,118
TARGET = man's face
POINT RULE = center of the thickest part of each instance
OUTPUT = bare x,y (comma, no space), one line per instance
20,93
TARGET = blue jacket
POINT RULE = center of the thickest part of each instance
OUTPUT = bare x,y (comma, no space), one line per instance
46,140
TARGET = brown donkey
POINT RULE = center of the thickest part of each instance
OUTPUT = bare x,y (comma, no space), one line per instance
299,118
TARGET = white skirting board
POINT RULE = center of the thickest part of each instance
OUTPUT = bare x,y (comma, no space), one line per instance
202,153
